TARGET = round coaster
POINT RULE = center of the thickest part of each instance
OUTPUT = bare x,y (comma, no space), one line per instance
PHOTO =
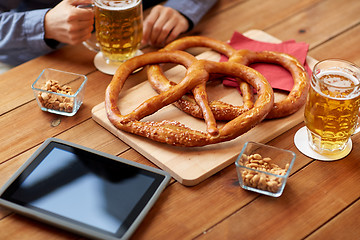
301,142
110,68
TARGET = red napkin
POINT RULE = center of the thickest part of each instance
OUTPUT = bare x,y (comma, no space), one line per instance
278,77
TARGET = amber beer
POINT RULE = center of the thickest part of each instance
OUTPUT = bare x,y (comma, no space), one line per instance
118,26
332,107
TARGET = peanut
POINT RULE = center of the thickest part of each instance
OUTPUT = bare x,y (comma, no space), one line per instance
261,180
53,101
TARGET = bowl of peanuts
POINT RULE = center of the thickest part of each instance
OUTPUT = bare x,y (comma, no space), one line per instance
264,169
59,92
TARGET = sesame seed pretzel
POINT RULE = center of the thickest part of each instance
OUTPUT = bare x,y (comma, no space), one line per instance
197,74
223,111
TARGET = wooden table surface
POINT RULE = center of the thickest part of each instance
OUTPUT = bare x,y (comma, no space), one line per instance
321,199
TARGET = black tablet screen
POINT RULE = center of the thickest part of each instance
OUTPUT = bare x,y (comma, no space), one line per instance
86,188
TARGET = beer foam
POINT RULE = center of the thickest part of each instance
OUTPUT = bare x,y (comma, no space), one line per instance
116,4
340,82
346,81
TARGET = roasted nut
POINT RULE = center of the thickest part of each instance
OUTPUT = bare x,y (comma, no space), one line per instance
53,101
45,96
261,180
257,156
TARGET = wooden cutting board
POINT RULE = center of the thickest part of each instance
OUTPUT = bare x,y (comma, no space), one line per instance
190,166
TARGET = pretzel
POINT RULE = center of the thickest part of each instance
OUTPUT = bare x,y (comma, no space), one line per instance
198,71
297,96
221,110
292,103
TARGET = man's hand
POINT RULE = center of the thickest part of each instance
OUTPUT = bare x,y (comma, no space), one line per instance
163,25
68,24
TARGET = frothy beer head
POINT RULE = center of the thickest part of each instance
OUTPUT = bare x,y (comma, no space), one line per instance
337,84
118,27
116,4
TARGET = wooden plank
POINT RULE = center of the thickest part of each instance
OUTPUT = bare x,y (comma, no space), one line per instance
335,48
344,226
252,14
14,227
308,26
195,164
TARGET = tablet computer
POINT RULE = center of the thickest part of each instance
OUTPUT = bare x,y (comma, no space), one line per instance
82,190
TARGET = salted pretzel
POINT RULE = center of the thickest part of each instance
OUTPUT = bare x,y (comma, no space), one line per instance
221,110
198,71
289,105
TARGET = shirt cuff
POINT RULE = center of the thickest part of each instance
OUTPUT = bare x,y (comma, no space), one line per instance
35,31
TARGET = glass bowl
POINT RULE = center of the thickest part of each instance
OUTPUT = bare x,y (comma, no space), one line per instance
59,92
264,169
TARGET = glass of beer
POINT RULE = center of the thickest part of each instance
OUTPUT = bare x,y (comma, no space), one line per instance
118,26
332,106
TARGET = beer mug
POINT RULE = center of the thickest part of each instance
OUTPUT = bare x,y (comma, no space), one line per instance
118,29
332,105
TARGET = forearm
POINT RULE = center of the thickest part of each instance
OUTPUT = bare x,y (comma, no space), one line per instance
22,34
23,29
29,34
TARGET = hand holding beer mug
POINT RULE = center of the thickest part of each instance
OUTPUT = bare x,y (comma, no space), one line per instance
332,107
118,28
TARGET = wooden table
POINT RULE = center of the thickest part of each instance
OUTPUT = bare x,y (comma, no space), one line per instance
321,199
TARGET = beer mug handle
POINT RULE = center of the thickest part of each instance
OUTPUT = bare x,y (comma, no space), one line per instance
92,43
